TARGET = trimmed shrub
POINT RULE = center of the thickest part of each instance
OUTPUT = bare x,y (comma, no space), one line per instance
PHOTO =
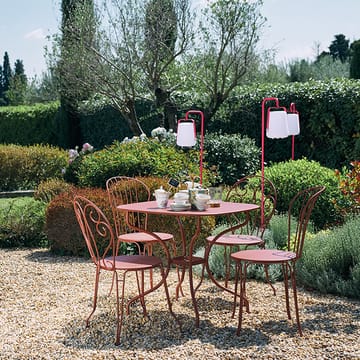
292,176
331,261
234,156
24,167
29,125
137,158
62,228
22,223
48,189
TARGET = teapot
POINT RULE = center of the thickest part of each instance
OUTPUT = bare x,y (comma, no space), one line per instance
162,197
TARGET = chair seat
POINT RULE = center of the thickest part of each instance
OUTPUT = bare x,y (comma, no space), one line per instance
264,256
236,239
130,262
144,237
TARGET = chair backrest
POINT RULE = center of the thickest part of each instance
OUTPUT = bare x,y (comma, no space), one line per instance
126,190
300,209
249,189
96,229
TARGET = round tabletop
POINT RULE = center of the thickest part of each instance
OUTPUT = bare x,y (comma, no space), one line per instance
151,207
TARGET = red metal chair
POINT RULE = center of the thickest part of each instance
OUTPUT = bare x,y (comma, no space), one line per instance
127,190
102,246
300,209
249,190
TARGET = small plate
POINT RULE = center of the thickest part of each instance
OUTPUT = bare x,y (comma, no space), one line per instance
180,207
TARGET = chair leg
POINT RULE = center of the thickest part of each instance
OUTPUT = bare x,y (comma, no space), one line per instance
293,281
243,300
163,275
96,288
286,285
227,265
119,308
141,287
180,281
148,249
268,279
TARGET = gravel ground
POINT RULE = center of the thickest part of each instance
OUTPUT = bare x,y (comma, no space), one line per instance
44,301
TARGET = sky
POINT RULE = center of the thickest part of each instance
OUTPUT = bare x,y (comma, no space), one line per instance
293,29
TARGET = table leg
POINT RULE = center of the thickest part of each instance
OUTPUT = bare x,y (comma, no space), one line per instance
187,260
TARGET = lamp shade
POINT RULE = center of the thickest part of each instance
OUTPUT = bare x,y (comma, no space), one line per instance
293,123
186,133
277,124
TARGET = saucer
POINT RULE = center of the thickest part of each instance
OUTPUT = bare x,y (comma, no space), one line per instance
180,207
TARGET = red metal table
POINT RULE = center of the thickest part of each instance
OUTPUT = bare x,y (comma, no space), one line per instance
187,259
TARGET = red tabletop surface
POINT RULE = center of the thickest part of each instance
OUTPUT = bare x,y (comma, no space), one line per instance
150,207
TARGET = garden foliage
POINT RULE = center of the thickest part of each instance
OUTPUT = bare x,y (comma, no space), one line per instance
24,167
331,261
290,177
22,223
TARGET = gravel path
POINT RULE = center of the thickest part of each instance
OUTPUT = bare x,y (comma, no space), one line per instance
44,301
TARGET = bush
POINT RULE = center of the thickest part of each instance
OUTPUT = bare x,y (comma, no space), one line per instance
48,189
22,223
62,228
29,125
137,158
292,176
24,167
331,261
234,156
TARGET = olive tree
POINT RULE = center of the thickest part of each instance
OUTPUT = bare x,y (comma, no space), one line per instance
152,49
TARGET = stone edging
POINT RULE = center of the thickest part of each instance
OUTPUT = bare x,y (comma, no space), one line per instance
14,194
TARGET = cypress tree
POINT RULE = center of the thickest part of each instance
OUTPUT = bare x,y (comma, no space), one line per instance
7,74
355,60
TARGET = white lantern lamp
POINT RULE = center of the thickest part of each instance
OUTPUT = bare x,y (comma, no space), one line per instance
277,123
186,135
293,126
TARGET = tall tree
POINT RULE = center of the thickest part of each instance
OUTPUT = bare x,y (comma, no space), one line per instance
74,31
18,85
355,60
135,58
7,74
230,32
339,48
160,39
2,101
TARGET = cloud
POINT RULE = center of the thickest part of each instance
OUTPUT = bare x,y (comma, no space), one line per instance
37,34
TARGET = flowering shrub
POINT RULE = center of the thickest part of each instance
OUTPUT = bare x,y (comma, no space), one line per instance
75,158
74,153
349,184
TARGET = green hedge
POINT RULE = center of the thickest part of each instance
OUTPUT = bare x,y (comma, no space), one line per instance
29,125
24,167
329,119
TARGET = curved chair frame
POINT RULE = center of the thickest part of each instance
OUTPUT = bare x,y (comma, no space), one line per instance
300,208
247,189
126,190
101,244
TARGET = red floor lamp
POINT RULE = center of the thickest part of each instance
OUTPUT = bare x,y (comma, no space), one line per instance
278,123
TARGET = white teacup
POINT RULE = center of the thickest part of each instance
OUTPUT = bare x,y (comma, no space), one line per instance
201,201
181,197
